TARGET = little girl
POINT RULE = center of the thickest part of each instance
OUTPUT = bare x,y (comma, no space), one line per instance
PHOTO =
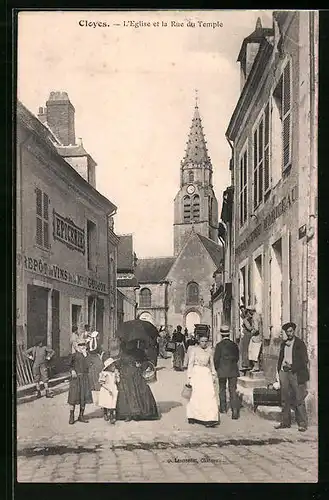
108,394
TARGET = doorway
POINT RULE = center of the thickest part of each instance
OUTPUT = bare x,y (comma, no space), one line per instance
276,290
55,321
76,316
37,313
258,283
100,319
192,318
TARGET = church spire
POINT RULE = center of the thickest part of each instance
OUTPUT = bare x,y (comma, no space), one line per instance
196,150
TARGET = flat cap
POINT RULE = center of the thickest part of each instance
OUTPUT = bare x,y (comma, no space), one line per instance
289,325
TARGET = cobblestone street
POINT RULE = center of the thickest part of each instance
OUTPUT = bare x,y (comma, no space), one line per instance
168,450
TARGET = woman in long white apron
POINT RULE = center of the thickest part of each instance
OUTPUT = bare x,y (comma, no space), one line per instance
203,405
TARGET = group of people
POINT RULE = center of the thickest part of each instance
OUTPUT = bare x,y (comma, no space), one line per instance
116,385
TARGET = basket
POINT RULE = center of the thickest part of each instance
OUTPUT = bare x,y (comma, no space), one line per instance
149,373
187,391
171,346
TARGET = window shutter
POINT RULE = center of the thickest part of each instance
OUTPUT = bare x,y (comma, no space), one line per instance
267,150
286,116
39,231
45,206
46,234
38,201
255,177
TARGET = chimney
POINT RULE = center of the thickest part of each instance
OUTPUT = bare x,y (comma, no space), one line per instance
42,115
60,117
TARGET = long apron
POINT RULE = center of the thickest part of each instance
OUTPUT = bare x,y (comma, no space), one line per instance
203,405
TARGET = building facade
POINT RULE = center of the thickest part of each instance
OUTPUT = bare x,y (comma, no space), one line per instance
270,209
65,238
127,284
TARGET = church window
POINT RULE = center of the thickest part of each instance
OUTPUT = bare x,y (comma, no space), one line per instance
191,176
196,207
187,208
192,293
145,297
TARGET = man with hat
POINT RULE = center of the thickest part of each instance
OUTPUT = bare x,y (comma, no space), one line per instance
293,374
226,358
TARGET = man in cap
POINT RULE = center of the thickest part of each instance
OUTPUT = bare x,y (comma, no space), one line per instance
293,374
226,358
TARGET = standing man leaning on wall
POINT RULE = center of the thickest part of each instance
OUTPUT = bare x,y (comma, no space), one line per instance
293,374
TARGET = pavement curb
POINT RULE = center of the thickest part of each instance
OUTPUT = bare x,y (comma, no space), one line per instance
27,394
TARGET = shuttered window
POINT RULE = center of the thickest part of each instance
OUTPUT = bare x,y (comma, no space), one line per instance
42,218
261,159
286,115
243,188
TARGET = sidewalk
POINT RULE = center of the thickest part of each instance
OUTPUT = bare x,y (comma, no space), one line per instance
58,384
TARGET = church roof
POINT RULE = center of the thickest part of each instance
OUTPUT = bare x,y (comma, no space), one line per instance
153,270
215,251
196,150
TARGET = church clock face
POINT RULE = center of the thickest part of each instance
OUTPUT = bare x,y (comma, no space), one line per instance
190,189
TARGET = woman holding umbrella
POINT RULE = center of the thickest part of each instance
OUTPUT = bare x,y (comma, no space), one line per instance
135,399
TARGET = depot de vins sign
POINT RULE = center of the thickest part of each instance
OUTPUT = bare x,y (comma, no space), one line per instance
39,266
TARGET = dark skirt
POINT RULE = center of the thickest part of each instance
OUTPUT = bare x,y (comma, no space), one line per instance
135,398
178,358
95,367
79,390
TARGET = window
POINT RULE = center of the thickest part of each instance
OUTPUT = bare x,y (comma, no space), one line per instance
145,297
282,99
192,294
261,147
191,176
196,208
243,188
187,208
42,218
91,245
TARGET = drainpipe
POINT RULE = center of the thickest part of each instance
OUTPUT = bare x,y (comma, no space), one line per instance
114,311
311,234
230,232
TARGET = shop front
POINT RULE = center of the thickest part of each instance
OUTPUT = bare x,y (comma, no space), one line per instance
58,300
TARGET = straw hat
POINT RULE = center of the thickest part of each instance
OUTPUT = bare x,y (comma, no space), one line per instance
108,362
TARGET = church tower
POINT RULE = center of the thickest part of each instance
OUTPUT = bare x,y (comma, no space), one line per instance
195,205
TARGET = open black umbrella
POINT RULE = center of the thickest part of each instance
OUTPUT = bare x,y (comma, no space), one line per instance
137,329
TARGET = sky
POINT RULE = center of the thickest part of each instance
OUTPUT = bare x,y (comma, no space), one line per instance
133,89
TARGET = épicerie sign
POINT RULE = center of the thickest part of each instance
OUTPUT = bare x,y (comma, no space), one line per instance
39,266
277,211
69,233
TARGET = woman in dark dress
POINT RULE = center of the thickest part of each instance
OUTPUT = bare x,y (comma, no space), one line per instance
179,353
135,399
79,390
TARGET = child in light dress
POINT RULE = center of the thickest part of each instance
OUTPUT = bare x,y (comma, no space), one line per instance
108,394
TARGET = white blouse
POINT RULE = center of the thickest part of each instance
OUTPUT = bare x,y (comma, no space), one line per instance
201,357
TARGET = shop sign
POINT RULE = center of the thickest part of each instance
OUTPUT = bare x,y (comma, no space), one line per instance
68,233
274,214
53,271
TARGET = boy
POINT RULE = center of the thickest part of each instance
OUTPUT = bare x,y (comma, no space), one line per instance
40,354
79,390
